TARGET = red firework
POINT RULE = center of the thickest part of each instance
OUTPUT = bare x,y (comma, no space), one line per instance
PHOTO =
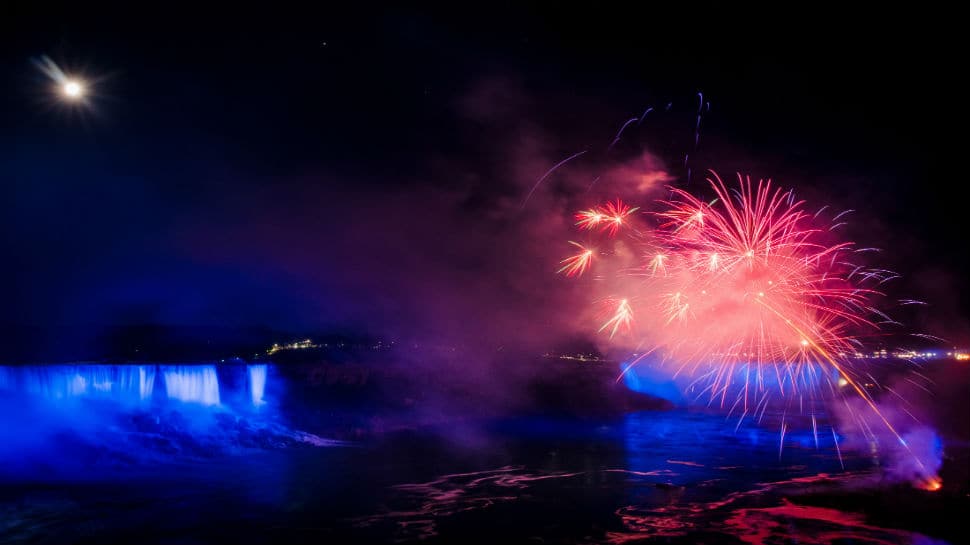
746,295
577,264
610,217
743,293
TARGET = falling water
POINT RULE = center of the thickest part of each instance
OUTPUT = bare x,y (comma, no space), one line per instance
192,384
129,383
196,384
257,383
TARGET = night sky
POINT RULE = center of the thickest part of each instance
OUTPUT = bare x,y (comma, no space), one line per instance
329,170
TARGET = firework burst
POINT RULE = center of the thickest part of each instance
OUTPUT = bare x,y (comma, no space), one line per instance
738,283
742,294
748,286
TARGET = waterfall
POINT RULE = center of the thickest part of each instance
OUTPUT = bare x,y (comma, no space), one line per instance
129,383
191,384
133,384
257,383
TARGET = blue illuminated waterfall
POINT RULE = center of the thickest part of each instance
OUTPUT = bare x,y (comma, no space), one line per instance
257,383
191,384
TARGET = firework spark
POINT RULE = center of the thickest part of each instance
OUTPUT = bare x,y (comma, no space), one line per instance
588,219
621,319
577,264
617,215
611,217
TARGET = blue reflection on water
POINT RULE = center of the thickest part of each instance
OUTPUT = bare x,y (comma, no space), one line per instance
646,379
743,382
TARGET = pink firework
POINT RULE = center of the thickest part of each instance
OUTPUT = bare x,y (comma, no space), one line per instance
588,219
743,295
577,264
748,285
610,217
742,283
620,316
617,214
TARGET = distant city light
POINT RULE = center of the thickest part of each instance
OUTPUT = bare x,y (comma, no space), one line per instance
297,345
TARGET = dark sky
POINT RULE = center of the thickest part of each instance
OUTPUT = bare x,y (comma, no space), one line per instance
333,169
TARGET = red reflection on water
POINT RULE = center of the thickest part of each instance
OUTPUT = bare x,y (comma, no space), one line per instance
812,525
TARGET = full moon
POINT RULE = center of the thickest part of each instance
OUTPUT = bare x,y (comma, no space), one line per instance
73,89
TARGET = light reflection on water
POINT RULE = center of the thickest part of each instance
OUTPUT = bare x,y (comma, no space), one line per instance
678,476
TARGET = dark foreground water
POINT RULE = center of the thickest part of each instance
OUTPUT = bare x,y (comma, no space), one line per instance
666,477
187,473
